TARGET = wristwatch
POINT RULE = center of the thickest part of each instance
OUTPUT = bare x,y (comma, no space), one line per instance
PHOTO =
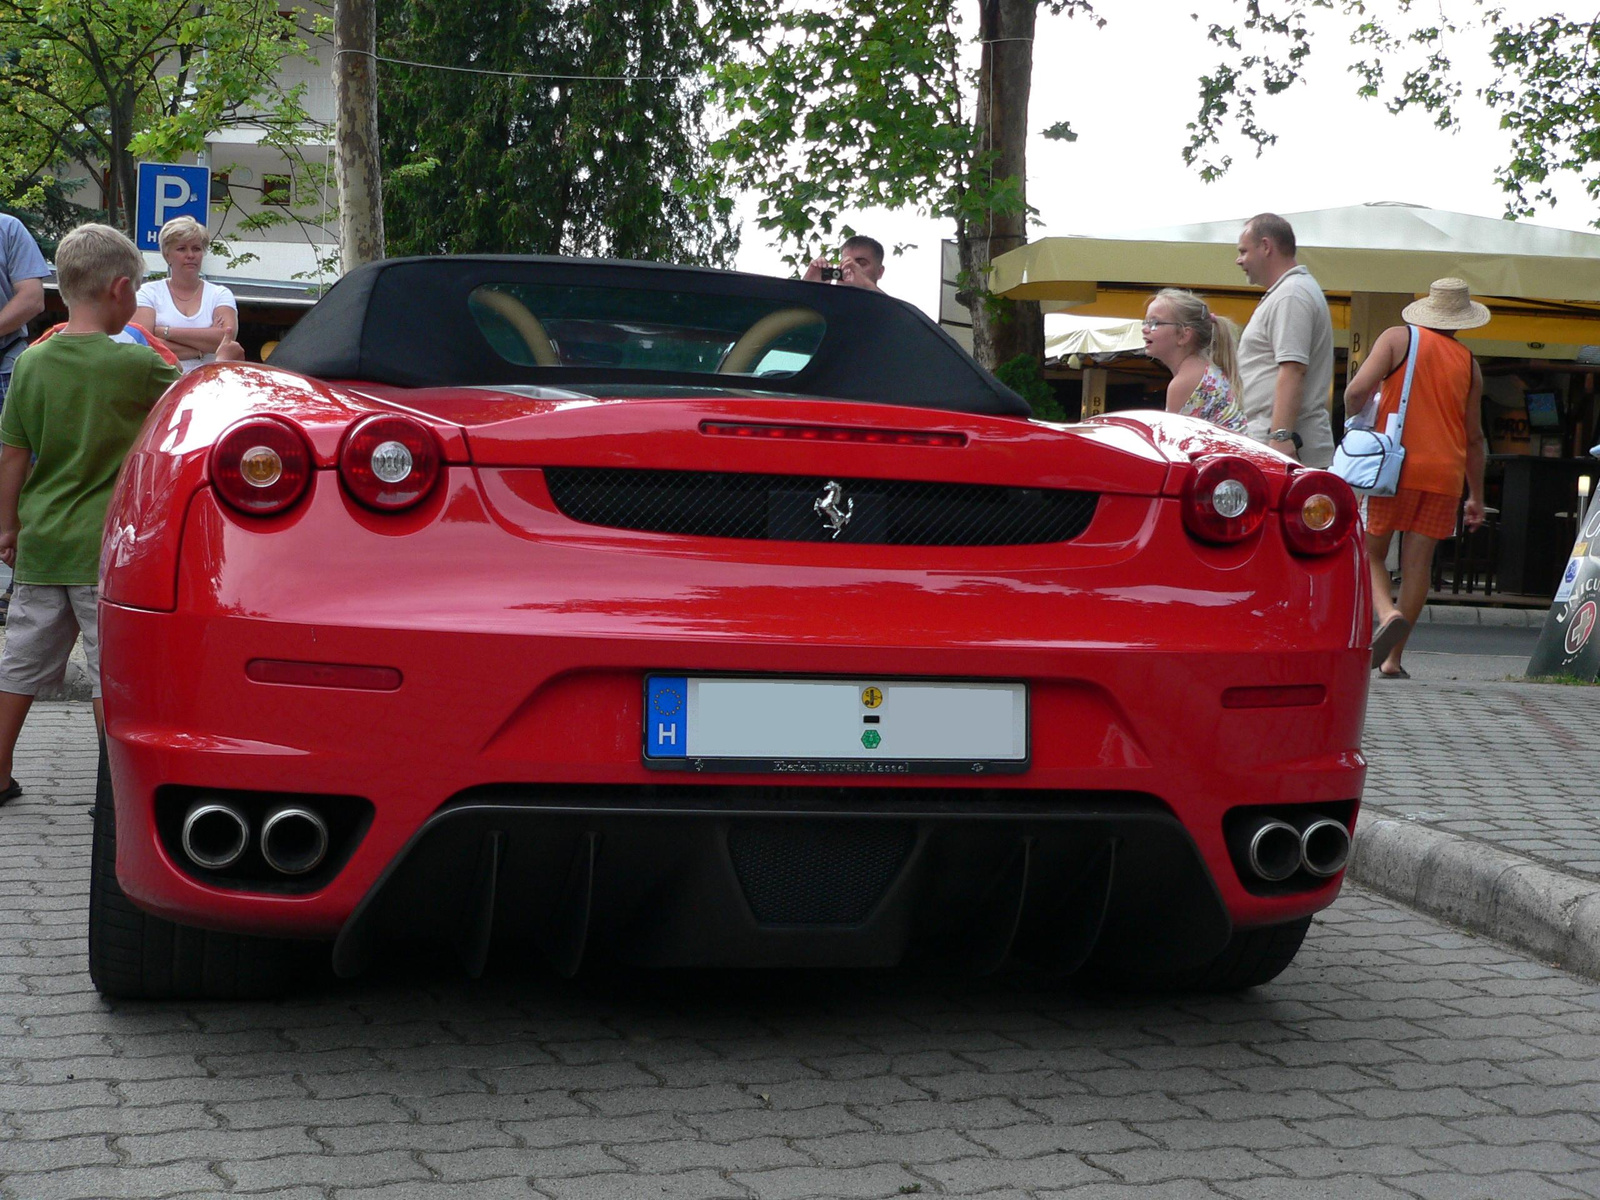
1286,435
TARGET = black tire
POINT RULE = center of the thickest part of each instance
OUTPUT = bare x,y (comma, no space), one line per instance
133,955
1252,957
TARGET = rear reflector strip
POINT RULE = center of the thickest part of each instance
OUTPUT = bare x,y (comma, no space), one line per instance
326,675
832,433
1303,695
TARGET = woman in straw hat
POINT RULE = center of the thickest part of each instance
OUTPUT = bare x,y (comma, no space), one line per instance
1443,440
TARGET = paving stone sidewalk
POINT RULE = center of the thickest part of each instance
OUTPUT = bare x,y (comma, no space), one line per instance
1396,1059
1481,807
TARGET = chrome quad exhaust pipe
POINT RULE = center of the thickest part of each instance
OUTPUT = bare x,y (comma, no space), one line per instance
1274,850
215,834
1324,847
294,839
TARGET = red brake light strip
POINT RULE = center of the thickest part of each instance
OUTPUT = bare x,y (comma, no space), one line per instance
832,433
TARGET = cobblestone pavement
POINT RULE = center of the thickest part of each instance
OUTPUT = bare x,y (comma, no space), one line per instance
1396,1058
1511,764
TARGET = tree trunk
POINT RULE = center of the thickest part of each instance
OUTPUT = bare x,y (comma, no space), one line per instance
355,94
1002,329
122,171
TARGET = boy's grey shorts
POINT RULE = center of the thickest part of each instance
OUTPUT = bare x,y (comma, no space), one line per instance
44,621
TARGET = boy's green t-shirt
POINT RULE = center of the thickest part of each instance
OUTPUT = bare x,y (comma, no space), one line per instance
76,402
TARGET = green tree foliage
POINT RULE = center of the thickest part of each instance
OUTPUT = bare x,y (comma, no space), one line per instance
97,84
481,163
53,212
1545,80
851,104
1548,95
1022,375
864,103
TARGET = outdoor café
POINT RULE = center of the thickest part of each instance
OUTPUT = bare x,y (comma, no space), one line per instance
1540,352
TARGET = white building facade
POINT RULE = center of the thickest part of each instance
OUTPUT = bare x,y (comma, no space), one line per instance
250,177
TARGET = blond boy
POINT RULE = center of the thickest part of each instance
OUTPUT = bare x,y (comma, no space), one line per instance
75,406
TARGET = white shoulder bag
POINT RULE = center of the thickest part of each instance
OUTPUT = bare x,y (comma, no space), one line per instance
1366,459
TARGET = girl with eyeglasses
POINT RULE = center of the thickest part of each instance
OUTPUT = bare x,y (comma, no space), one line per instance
1201,350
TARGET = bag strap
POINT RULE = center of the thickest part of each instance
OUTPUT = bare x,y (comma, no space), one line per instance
1405,388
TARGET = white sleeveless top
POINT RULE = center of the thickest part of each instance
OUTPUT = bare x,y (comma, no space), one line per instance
158,296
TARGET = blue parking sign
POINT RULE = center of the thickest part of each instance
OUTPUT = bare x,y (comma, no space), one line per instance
168,190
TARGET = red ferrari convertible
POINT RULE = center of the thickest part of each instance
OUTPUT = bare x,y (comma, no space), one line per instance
585,611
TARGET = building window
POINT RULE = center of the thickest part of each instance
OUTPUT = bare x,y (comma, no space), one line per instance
275,190
219,189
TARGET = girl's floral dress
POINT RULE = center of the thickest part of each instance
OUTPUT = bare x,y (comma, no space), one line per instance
1213,400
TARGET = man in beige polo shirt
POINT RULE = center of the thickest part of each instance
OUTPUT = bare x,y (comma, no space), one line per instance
1286,351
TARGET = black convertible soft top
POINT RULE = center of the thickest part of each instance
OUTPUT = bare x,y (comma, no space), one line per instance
408,322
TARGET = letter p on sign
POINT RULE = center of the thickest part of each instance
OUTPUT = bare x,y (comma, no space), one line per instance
168,190
172,192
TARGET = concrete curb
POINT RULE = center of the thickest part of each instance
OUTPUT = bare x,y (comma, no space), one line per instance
1470,614
1483,888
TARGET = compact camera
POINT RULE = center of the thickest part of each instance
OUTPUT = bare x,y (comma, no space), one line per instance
832,274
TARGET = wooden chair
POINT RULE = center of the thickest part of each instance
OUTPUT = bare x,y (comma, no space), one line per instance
1467,558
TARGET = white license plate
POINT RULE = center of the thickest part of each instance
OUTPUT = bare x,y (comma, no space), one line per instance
816,726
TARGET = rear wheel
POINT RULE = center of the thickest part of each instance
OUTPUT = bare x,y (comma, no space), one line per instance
133,955
1252,957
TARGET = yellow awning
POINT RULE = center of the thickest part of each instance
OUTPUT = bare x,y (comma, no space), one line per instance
1541,284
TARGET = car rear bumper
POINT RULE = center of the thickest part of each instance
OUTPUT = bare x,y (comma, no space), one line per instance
1130,746
564,876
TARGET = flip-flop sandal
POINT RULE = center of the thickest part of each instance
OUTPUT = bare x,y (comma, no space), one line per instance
1388,637
1397,673
11,792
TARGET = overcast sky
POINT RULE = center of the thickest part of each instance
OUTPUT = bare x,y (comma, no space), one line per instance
1130,88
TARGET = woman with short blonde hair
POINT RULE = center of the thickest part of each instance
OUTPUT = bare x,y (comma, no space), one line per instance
181,228
190,314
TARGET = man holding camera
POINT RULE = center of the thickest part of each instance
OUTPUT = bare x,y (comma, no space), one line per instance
860,265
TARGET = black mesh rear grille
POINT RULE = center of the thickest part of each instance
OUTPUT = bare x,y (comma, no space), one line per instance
893,512
815,872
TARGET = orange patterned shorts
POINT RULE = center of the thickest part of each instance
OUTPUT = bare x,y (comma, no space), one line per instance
1427,513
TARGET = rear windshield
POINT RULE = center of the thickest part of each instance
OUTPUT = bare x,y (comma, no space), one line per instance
555,325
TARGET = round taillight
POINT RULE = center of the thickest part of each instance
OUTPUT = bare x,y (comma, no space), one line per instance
1224,500
389,463
1319,510
261,466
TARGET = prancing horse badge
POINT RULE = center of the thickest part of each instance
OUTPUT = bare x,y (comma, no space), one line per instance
834,508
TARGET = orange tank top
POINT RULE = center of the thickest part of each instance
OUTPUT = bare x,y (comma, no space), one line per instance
1435,434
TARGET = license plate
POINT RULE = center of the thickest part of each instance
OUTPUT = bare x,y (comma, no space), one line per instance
825,726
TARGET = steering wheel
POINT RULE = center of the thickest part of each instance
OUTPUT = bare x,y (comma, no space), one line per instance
524,322
744,353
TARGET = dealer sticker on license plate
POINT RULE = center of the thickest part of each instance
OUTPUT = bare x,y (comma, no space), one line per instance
827,726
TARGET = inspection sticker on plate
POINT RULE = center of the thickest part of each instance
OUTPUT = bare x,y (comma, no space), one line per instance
864,726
